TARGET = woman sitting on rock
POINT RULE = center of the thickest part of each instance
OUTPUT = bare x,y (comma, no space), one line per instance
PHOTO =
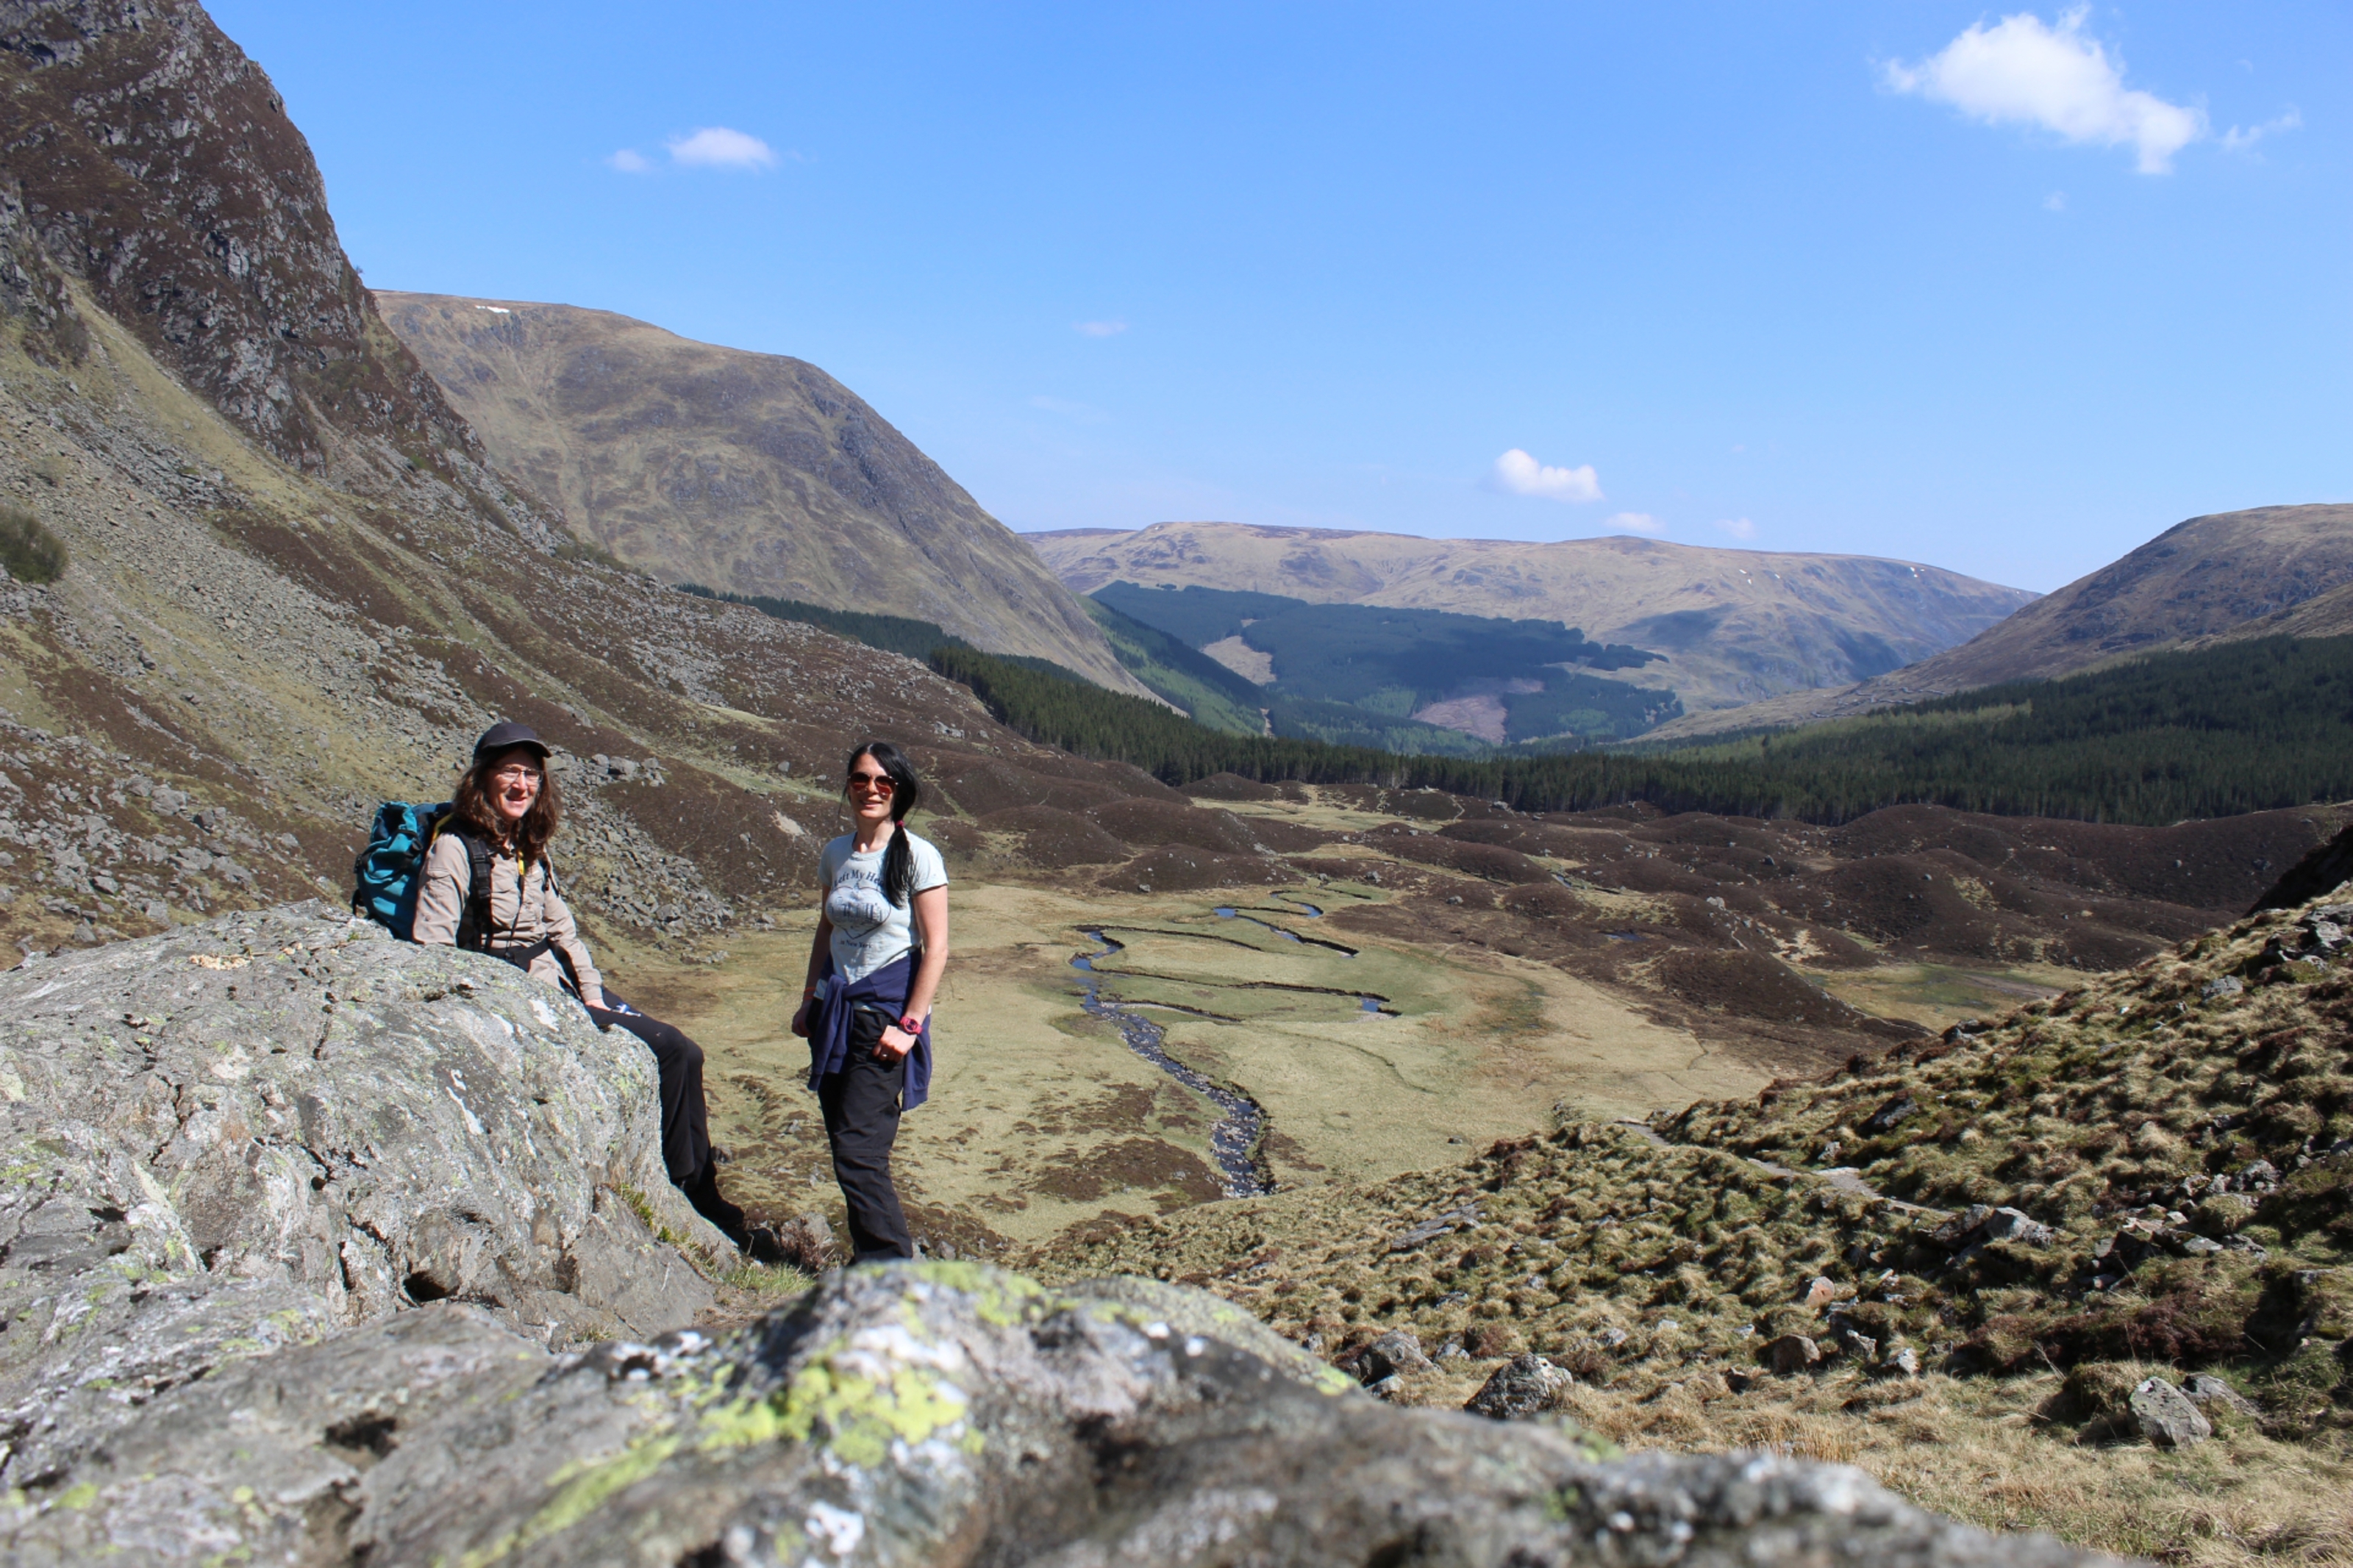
881,944
505,811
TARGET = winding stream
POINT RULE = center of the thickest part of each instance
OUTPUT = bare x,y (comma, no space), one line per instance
1228,912
1233,1141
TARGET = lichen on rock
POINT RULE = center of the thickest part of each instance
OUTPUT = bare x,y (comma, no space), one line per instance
239,1137
916,1413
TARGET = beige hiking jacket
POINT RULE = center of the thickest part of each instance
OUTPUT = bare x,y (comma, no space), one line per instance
522,914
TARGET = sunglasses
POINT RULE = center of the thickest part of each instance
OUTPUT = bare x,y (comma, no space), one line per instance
881,783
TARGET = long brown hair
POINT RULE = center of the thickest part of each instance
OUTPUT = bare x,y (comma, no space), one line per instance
472,805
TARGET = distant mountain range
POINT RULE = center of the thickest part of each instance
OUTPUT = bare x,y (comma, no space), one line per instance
748,473
2268,571
1366,675
1724,628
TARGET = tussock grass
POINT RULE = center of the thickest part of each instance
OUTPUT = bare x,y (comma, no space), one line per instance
1659,1274
27,549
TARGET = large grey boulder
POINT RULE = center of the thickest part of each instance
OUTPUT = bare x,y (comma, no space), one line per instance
236,1138
932,1414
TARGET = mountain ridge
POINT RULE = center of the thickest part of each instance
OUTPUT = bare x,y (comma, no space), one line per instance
750,473
2214,577
1734,625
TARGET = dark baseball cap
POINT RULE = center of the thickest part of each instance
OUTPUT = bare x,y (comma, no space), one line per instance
502,736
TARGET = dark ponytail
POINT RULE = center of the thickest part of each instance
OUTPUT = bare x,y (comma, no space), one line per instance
898,861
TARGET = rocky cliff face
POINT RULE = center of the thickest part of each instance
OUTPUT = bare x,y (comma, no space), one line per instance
154,162
752,473
307,1229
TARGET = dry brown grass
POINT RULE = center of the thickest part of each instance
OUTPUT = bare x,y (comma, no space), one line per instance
1983,1452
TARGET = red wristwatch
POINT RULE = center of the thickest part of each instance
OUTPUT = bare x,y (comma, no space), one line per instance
911,1025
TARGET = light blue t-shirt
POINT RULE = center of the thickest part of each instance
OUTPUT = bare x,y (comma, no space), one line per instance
869,931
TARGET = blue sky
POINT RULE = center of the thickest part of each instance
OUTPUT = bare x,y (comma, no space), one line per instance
2006,292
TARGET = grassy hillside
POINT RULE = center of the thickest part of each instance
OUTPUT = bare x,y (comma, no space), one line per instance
2236,728
756,473
2179,1138
2236,575
894,634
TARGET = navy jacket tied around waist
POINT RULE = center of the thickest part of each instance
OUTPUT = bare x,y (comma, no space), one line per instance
886,988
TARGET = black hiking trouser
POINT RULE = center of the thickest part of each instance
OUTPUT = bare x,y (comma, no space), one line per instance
862,1122
685,1123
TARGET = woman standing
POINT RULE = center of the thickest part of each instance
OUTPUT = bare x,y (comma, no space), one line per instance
881,944
500,821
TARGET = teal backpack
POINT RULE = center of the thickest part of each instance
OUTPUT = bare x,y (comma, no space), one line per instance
387,873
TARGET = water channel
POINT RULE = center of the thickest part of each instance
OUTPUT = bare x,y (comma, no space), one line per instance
1233,1141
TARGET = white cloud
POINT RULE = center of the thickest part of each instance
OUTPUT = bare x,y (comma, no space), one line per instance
716,147
2021,70
1517,474
2056,202
630,161
2238,138
1634,522
1738,527
1099,329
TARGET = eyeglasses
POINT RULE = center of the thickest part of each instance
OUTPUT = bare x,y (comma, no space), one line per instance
881,783
517,772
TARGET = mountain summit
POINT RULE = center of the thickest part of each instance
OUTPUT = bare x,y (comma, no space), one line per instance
750,473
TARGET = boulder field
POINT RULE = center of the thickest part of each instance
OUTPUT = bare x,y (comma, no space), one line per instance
325,1248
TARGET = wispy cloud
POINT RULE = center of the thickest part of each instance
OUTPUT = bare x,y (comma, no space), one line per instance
630,161
716,147
2056,202
2238,138
1517,474
1738,527
2021,70
1099,329
1635,522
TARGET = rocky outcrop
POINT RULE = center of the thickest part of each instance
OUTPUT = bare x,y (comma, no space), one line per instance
153,161
928,1413
242,1136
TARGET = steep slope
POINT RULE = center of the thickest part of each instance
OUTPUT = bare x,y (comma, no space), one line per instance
2228,574
1734,624
2200,577
752,473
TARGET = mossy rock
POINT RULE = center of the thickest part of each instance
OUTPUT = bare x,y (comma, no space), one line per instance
2224,1214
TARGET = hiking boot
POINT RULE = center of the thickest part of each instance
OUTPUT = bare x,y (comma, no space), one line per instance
703,1193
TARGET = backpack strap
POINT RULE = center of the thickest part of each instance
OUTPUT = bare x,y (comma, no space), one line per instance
474,922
